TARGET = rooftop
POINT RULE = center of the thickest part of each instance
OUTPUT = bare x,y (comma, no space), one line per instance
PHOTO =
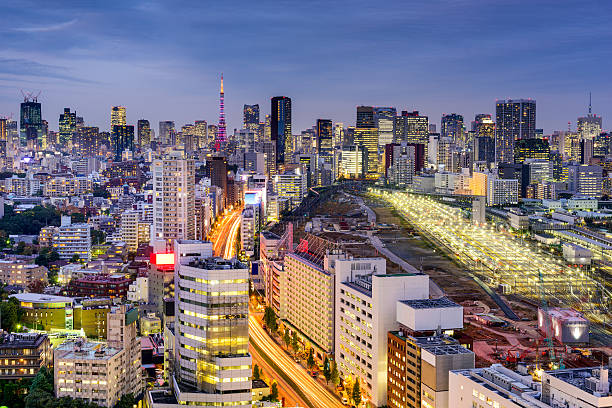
430,303
82,349
586,379
41,298
22,340
216,264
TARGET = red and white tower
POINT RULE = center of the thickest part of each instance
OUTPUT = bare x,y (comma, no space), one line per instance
221,132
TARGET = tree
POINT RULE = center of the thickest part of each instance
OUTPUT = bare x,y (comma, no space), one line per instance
77,218
270,319
36,286
97,237
310,361
11,314
295,344
126,401
274,392
356,394
334,375
287,338
46,256
99,191
75,259
326,370
256,372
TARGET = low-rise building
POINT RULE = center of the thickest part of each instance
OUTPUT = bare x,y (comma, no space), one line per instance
23,354
567,326
73,239
21,273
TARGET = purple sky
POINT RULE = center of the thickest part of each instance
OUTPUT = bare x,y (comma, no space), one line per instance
162,60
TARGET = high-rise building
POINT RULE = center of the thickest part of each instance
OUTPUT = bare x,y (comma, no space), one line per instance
212,364
144,133
3,130
515,119
366,136
291,185
31,127
411,127
200,131
589,126
531,149
122,139
365,117
452,126
72,239
221,138
86,142
384,118
173,199
338,137
280,128
67,127
251,117
216,171
324,136
118,117
166,132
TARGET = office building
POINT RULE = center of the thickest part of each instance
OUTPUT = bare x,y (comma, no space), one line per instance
23,354
118,117
366,300
248,228
292,185
324,137
411,127
514,119
280,128
250,117
401,160
173,199
384,121
502,191
525,149
338,135
418,369
589,126
452,127
254,162
200,134
585,180
367,139
353,163
67,127
122,140
30,126
144,133
212,365
86,141
166,135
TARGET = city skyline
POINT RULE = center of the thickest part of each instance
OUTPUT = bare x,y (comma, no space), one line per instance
468,61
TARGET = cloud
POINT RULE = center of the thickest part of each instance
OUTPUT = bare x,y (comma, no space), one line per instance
21,67
47,28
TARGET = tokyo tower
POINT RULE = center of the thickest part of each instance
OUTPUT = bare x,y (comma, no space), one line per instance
221,138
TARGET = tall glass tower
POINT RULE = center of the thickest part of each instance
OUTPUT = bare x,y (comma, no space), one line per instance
280,128
31,127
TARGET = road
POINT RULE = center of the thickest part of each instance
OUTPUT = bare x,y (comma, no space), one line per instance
316,393
221,235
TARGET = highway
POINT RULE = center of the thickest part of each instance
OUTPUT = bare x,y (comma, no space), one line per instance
220,237
316,393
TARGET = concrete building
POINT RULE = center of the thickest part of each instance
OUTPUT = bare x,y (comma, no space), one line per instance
366,299
353,163
73,239
173,200
418,369
212,365
502,191
23,354
576,254
248,228
21,273
291,185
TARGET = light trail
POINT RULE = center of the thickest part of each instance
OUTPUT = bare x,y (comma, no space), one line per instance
318,395
231,238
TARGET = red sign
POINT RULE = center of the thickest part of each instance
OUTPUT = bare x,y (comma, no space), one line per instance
162,259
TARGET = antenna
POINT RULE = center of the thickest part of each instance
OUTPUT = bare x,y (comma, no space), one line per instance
590,103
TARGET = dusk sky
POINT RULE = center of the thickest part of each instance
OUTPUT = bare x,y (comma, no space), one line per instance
162,60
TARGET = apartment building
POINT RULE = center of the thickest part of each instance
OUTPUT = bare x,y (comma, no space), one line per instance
22,273
73,239
23,354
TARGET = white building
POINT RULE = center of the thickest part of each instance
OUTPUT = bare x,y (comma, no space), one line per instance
73,239
138,291
366,299
502,191
402,166
291,185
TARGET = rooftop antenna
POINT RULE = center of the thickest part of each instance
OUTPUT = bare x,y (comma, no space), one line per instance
590,103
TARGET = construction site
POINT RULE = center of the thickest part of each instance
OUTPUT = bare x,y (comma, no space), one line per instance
500,282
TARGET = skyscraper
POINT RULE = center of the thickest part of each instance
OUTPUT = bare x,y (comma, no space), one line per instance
221,132
122,139
3,130
338,139
484,142
31,128
166,132
144,133
589,126
384,118
118,116
515,119
412,128
365,117
67,127
251,117
452,126
280,128
173,199
87,141
324,136
366,136
200,131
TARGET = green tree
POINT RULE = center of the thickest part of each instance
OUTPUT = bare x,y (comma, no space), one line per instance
287,338
256,372
334,375
270,319
46,256
99,191
326,370
310,361
97,237
77,218
274,392
126,401
356,394
11,314
295,344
